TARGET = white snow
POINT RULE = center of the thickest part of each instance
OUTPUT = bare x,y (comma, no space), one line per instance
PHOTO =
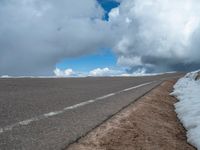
187,90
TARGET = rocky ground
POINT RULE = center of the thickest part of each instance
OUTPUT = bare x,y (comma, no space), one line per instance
150,123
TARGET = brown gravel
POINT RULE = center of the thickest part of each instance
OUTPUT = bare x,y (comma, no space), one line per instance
148,124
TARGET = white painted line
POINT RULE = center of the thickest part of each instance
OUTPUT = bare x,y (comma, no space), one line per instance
105,96
135,87
50,114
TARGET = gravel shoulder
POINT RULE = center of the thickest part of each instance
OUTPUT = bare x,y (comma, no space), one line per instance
150,123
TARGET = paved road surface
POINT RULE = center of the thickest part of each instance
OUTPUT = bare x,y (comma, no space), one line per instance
48,114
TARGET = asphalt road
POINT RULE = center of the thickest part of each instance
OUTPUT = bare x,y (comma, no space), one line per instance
50,113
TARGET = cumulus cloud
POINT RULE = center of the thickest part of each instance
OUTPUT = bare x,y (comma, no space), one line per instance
98,72
101,72
104,72
157,35
36,34
64,73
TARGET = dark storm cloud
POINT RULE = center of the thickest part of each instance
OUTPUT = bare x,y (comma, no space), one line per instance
36,34
160,35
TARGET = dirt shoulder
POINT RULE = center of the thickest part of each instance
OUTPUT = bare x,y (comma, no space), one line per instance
150,123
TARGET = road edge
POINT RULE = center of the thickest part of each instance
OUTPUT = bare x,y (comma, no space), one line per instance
106,130
120,110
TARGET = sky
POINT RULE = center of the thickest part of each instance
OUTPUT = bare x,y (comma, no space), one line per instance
108,5
88,62
98,38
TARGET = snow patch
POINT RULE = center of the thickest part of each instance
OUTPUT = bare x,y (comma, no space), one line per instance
187,91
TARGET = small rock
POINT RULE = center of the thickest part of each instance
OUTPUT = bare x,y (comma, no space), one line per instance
198,76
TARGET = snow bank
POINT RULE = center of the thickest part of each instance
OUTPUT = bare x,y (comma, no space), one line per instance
187,90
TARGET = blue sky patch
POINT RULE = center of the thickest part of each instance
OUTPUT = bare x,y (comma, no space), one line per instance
107,5
104,58
86,63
